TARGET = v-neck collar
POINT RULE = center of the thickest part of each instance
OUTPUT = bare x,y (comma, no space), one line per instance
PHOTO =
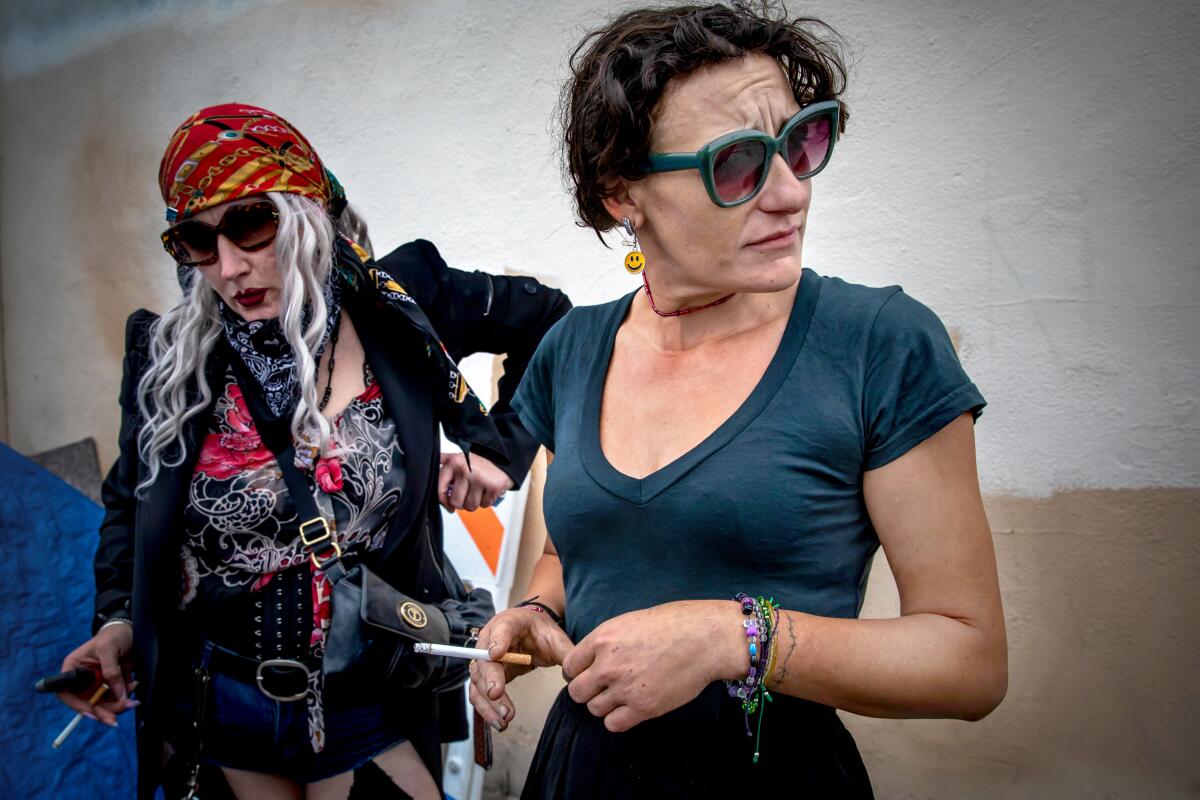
640,491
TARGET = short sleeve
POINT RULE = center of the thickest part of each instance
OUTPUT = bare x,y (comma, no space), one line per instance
914,383
534,400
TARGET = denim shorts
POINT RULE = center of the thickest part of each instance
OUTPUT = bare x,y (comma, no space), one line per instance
245,729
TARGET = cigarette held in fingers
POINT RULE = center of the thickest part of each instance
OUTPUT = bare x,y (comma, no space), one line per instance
520,659
74,723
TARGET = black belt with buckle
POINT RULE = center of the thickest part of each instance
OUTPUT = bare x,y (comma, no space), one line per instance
284,680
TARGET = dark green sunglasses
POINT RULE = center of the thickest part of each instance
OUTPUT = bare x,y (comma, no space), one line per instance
734,167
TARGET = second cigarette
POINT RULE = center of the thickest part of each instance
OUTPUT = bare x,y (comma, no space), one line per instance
520,659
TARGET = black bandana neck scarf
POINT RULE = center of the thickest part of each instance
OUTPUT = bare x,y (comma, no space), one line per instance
267,354
463,417
270,360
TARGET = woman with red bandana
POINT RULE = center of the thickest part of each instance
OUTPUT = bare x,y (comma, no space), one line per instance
291,345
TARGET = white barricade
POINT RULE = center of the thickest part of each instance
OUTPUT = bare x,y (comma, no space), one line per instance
483,546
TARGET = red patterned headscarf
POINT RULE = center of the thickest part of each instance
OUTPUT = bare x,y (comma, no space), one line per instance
234,150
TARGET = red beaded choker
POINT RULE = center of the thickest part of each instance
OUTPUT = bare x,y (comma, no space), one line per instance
682,311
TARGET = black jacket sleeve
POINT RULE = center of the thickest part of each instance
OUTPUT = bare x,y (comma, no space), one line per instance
113,564
466,612
477,312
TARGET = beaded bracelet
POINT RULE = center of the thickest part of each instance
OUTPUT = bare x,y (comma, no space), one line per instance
755,625
759,624
749,605
774,612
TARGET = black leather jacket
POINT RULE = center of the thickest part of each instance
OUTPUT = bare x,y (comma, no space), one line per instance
136,563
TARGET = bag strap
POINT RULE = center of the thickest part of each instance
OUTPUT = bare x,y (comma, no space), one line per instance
315,532
276,434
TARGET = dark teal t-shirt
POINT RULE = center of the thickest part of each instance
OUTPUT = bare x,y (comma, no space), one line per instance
771,503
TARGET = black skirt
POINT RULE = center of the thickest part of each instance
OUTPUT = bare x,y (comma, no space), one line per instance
698,751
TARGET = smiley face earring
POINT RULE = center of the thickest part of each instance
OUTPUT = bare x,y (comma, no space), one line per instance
635,261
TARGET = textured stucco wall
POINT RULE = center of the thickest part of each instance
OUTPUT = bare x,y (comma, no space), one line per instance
1026,169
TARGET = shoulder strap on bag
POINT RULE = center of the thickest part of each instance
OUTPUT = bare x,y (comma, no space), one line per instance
276,434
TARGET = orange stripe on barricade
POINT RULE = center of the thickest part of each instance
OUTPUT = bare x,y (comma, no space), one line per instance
487,531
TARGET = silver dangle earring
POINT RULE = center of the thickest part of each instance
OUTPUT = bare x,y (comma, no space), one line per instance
635,261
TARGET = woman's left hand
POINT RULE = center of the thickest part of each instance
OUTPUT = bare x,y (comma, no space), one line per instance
645,663
469,489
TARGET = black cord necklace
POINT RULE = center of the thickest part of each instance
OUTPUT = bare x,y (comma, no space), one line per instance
333,340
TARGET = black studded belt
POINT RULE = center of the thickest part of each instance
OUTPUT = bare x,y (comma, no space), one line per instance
284,680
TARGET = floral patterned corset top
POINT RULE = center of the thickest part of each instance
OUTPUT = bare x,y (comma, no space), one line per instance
248,582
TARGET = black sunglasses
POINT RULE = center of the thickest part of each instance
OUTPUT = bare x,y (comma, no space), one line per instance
251,226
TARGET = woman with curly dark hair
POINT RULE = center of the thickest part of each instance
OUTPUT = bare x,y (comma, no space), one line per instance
734,442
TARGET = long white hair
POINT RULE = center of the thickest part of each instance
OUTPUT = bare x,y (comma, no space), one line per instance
182,340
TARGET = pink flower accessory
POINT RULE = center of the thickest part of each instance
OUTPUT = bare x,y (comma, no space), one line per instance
329,474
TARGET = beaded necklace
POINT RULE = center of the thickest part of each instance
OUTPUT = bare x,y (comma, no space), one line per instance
682,311
368,376
333,340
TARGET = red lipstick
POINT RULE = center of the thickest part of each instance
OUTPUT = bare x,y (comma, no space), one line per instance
250,298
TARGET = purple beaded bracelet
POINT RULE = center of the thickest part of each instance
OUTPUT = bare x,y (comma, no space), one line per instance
751,690
756,626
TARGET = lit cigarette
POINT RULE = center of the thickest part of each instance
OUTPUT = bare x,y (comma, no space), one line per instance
73,724
521,659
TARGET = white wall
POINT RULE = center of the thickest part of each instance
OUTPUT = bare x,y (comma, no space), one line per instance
1027,169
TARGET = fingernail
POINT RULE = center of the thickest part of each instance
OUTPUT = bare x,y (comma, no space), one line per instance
504,711
90,716
112,724
133,704
497,724
491,685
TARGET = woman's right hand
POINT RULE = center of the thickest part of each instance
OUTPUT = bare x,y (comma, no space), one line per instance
517,630
107,653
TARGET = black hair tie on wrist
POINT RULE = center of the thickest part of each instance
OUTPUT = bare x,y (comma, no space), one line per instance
547,610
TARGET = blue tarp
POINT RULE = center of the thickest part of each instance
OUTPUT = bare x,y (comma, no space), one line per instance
48,532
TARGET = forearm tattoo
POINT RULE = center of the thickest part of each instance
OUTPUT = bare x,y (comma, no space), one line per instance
783,672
